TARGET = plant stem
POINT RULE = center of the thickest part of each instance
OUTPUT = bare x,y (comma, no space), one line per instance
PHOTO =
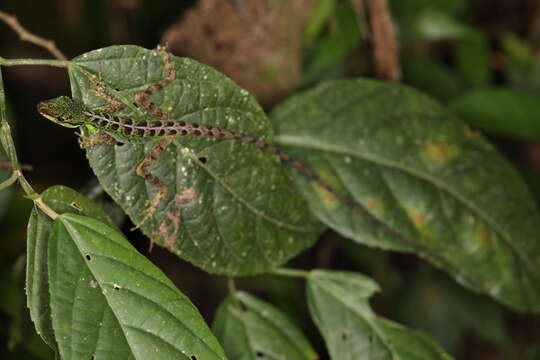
6,140
48,62
231,285
290,272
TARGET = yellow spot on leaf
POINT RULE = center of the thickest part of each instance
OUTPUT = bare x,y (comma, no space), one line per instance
419,220
329,200
470,133
375,205
483,235
438,153
326,196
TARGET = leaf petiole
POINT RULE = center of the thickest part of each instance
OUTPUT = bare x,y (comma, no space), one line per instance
290,272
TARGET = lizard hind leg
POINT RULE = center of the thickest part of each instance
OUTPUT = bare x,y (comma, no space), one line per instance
143,170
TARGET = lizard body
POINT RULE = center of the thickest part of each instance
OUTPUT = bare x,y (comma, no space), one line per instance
69,113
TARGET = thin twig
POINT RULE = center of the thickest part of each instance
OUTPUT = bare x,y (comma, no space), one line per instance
385,46
25,35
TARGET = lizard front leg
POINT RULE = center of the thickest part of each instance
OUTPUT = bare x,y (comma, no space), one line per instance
87,142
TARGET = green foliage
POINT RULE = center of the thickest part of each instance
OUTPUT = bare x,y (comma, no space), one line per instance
427,75
391,169
82,270
236,211
421,172
330,50
249,328
338,302
501,111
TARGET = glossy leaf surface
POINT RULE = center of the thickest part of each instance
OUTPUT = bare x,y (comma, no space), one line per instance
230,207
438,187
252,329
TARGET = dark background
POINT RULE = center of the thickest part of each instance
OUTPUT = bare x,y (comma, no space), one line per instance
238,37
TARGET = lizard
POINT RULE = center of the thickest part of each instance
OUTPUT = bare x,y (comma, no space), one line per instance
112,129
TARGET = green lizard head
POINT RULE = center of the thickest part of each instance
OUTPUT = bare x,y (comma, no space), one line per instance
64,111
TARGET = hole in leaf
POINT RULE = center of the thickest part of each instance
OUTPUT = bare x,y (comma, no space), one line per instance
88,257
259,354
203,160
116,287
76,206
193,357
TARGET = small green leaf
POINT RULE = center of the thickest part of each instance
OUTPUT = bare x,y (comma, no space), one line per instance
334,46
250,329
323,10
408,162
427,75
501,111
435,25
110,302
522,68
473,58
411,7
230,207
338,302
62,200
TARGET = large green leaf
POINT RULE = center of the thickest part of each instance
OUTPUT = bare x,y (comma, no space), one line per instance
231,208
411,164
110,302
251,329
338,302
501,111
